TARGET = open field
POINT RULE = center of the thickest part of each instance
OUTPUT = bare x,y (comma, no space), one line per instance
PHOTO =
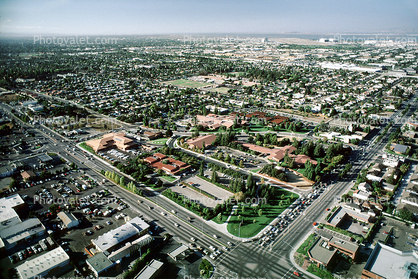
7,98
220,89
187,83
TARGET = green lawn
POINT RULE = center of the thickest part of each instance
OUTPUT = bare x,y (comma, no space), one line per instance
258,128
256,170
306,245
224,215
322,273
301,171
159,141
86,147
270,211
187,83
168,178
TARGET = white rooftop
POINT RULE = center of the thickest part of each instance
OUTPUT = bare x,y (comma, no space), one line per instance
42,263
108,240
8,215
388,262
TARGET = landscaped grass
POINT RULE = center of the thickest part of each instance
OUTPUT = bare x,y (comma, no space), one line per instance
187,83
224,215
306,245
256,170
86,147
168,178
301,171
258,128
322,273
270,211
159,141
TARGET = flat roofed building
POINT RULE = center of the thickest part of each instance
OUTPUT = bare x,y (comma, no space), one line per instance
151,271
178,251
21,232
52,263
388,262
322,253
9,206
116,238
99,264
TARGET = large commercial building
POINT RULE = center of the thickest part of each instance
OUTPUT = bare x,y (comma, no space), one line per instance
14,231
52,263
116,238
117,244
111,140
388,262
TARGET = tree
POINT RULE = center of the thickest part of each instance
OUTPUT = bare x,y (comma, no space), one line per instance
295,143
241,164
219,217
122,181
406,214
169,133
214,178
404,168
201,170
260,212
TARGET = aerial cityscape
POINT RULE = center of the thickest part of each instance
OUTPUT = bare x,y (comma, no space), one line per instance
188,139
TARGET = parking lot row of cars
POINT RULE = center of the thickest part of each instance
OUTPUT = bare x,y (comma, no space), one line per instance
42,245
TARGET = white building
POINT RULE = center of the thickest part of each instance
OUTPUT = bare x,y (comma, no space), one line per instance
52,263
361,195
69,220
111,241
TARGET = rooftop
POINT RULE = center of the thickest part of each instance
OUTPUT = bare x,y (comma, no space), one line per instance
108,240
42,263
99,262
321,251
389,262
149,270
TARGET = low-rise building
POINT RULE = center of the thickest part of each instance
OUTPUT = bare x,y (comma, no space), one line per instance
151,270
99,264
69,220
198,142
388,262
52,263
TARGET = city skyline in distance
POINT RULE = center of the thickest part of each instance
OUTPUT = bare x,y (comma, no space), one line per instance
65,17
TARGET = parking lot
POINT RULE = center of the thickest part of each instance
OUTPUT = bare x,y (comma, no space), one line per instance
219,193
195,196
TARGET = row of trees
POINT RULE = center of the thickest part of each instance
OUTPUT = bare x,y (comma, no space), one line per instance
122,182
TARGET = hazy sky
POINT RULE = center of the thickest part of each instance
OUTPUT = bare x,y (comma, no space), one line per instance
103,17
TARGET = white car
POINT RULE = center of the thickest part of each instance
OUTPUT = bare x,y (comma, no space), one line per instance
215,236
162,213
193,239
